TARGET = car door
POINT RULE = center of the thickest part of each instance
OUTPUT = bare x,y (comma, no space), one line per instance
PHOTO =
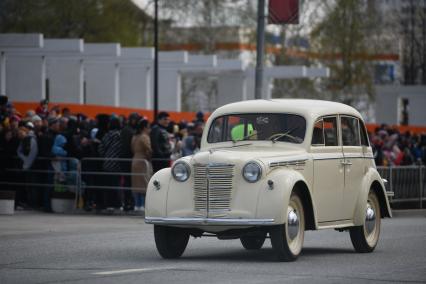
354,163
328,181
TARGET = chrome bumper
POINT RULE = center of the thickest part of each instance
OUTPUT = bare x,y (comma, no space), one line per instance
208,221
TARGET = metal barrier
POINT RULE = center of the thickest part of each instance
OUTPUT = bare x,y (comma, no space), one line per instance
60,174
83,175
99,172
102,187
407,182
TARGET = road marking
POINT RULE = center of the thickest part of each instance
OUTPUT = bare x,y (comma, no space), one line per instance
133,270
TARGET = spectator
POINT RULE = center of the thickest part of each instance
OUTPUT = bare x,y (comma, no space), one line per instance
199,118
110,149
43,109
37,122
60,166
27,153
45,143
189,143
27,149
126,153
141,149
161,148
66,112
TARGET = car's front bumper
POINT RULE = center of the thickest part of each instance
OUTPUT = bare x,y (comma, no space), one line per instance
208,221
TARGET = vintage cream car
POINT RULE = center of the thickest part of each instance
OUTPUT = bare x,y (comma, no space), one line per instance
272,168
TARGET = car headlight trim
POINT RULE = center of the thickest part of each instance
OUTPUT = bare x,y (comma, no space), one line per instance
181,171
252,172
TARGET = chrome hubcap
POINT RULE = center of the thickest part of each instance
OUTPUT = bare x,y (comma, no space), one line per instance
370,219
293,224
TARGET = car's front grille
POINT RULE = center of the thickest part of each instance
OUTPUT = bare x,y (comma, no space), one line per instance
213,189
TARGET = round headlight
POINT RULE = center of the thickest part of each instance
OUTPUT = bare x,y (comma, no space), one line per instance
181,171
252,172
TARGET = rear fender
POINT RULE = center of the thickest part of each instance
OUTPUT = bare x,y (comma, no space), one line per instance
371,180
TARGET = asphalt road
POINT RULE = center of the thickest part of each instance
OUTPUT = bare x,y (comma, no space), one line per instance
47,248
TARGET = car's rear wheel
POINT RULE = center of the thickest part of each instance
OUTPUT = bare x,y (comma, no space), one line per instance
253,242
287,239
171,242
364,238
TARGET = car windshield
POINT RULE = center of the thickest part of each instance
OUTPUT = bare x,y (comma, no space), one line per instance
258,126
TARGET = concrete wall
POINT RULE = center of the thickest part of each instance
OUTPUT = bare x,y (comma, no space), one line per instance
22,72
65,80
64,69
169,82
136,69
101,74
231,88
388,108
25,78
106,74
102,83
2,73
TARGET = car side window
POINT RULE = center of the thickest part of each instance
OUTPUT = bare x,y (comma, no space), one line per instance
318,134
364,136
350,131
330,131
216,130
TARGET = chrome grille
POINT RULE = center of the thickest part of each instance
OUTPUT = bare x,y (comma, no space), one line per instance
213,188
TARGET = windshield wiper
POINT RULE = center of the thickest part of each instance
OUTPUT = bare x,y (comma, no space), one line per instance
228,147
245,137
277,136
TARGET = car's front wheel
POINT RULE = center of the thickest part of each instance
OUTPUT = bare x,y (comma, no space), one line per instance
364,238
253,242
171,242
287,239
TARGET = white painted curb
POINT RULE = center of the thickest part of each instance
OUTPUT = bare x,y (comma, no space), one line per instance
60,205
7,206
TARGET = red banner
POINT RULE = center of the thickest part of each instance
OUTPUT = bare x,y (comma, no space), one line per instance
283,12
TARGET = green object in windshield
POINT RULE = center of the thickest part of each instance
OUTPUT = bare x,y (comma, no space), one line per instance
237,132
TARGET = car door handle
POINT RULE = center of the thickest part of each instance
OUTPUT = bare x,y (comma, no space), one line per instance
346,163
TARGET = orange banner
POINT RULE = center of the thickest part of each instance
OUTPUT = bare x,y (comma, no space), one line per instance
92,110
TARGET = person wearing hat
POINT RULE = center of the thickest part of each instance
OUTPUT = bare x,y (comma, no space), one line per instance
43,109
161,148
37,122
27,153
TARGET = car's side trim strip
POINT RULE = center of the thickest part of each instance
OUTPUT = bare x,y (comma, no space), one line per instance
300,162
326,158
347,157
208,221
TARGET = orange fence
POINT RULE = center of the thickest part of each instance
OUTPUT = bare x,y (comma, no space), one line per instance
93,110
414,129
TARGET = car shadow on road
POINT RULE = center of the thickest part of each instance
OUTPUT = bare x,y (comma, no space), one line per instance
262,255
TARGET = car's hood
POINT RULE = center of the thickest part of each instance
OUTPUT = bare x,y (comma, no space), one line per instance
246,152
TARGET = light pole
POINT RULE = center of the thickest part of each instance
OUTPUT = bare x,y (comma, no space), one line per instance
260,49
155,60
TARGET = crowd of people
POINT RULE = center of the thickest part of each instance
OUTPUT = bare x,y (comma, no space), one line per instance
392,148
44,145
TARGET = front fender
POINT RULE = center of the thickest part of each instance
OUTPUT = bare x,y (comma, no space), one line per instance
273,203
156,196
371,178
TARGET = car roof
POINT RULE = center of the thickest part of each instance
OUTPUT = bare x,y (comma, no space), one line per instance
308,108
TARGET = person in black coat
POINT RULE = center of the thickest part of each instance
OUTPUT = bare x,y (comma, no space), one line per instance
161,148
126,136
